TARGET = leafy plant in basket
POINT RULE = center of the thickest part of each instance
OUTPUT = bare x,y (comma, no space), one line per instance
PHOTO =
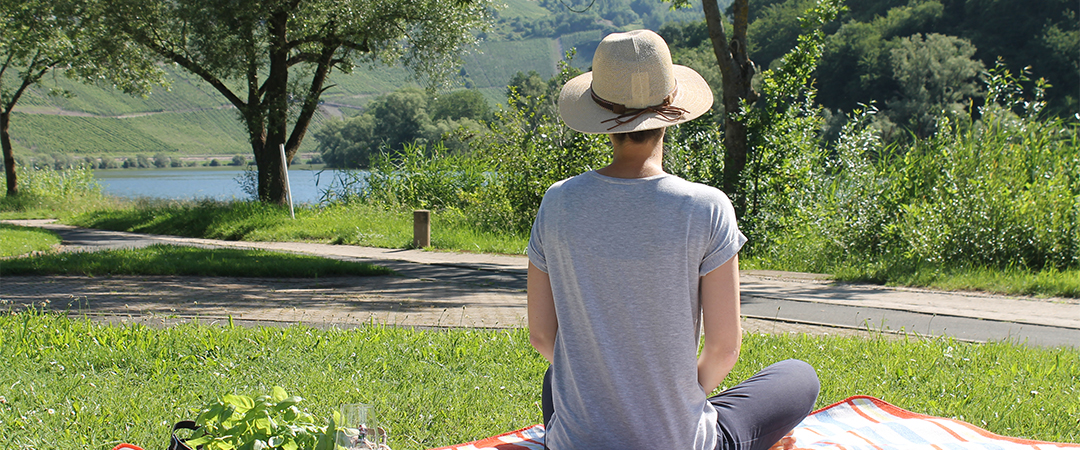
239,422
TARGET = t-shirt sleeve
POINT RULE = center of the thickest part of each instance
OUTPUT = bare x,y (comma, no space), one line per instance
725,239
536,242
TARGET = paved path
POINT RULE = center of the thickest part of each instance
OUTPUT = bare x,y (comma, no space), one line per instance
443,289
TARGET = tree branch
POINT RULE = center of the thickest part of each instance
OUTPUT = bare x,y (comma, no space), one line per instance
198,70
311,101
715,23
29,80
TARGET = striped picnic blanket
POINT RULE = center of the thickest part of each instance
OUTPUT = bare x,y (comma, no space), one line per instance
858,423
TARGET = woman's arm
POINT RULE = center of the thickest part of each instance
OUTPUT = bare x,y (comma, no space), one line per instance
720,322
541,309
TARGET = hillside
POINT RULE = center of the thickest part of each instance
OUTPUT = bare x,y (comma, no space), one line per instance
190,118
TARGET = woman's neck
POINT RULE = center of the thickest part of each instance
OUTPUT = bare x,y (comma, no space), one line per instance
635,159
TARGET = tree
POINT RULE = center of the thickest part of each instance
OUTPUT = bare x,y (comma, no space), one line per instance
272,59
44,35
737,71
395,119
935,75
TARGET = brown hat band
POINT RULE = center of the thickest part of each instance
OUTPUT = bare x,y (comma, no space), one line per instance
626,115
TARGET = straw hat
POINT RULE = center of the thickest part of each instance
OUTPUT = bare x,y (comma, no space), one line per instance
633,87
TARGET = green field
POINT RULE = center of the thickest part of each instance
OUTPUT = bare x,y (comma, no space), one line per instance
528,9
184,93
498,61
210,132
585,42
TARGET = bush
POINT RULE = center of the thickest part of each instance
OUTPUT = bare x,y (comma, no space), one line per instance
996,193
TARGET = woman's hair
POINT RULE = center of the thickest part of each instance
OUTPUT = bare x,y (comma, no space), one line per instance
640,136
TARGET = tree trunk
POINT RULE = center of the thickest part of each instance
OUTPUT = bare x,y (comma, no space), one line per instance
276,101
737,71
9,156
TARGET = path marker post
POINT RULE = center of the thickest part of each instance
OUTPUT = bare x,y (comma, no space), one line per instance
285,174
421,228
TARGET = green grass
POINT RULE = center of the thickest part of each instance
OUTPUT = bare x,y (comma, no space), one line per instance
16,240
180,260
75,384
1050,282
336,224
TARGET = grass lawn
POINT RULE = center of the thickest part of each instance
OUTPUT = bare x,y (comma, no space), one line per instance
180,260
16,240
337,224
75,384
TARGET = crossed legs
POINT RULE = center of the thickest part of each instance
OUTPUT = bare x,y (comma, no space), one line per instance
756,414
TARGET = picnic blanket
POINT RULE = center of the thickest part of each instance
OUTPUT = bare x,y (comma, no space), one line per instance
857,423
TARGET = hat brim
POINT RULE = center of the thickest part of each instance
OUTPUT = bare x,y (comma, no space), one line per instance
578,110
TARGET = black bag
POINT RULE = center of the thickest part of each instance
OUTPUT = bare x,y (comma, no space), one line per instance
175,442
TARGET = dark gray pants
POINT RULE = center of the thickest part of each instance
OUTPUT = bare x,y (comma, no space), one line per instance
756,413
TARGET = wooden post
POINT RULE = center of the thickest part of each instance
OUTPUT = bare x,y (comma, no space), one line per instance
421,228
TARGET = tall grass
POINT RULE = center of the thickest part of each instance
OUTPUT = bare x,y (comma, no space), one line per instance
71,383
48,193
998,194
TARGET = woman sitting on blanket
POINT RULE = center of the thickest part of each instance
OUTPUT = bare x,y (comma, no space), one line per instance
628,265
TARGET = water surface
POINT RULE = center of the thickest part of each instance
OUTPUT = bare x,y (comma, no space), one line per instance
308,186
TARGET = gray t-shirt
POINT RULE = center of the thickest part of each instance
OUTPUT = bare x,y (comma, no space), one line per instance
625,257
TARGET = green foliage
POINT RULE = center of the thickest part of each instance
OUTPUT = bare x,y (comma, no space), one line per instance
76,384
398,119
782,134
856,65
498,185
936,76
996,193
415,178
16,240
529,149
267,421
272,60
774,29
177,260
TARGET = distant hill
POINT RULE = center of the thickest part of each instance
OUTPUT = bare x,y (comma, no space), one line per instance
190,118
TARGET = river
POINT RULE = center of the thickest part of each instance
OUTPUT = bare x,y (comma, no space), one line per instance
223,183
